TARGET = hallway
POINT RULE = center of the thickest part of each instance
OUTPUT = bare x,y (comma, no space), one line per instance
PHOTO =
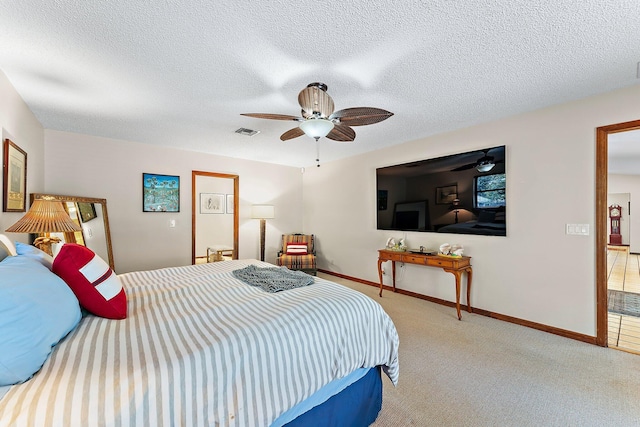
623,275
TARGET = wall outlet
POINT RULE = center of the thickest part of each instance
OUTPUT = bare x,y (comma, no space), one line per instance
172,223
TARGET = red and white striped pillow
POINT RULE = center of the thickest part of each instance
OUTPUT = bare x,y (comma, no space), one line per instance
297,249
94,283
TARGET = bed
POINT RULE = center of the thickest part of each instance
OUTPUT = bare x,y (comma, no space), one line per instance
200,347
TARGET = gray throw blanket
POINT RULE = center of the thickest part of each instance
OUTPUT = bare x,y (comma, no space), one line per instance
273,279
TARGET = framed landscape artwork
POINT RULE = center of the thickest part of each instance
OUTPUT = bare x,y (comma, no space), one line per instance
14,174
160,193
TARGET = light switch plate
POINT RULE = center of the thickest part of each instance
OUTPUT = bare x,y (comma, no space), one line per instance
578,229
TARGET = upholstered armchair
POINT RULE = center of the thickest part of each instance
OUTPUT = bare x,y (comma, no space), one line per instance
298,252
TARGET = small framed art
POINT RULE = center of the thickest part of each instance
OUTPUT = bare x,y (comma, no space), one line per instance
86,211
212,203
160,193
14,174
446,194
230,204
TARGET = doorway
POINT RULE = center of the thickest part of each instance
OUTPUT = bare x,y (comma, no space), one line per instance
602,171
214,216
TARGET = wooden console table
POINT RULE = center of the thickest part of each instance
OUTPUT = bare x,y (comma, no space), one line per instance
455,266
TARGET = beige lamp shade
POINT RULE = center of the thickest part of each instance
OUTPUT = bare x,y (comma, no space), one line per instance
45,216
262,211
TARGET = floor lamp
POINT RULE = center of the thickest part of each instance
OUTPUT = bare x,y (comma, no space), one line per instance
262,212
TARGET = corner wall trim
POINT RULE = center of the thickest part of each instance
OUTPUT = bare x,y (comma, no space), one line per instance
539,326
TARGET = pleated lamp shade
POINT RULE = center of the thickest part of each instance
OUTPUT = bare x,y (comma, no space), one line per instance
45,216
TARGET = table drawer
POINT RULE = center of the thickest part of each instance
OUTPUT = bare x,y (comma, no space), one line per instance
393,257
414,259
440,262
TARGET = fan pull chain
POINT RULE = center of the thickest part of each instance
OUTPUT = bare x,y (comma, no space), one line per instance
318,152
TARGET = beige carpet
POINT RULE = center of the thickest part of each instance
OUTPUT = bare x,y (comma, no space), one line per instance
485,372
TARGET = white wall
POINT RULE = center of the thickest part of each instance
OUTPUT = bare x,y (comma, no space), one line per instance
536,273
82,165
20,126
628,184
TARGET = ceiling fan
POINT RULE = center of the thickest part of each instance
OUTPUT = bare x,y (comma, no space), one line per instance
483,164
318,119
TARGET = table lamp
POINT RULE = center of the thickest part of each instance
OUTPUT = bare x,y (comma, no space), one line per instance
262,212
45,216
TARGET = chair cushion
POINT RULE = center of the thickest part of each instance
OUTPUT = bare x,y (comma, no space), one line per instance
298,262
297,249
307,239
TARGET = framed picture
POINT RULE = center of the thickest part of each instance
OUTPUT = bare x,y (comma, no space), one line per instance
14,178
86,211
160,193
230,204
211,203
445,195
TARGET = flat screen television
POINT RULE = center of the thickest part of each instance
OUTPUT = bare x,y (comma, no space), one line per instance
461,194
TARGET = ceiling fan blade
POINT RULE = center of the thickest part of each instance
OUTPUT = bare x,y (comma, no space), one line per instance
464,167
342,133
291,133
359,116
273,116
315,100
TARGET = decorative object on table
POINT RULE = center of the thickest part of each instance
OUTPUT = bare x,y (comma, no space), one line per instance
262,212
230,204
402,245
86,211
14,182
45,215
392,245
212,203
446,194
391,242
160,193
454,250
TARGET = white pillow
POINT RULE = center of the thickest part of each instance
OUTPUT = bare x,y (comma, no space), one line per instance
6,246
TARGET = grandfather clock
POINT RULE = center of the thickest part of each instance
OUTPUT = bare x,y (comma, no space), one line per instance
615,212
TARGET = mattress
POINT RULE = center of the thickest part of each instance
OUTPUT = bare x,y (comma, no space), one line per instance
200,347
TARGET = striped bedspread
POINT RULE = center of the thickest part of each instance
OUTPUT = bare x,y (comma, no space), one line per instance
201,348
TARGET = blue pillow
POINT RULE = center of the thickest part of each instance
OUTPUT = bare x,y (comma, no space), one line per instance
37,309
35,253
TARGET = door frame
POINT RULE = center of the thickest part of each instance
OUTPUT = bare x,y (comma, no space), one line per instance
194,208
602,171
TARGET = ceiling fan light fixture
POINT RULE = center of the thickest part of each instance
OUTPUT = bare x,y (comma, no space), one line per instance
485,166
316,128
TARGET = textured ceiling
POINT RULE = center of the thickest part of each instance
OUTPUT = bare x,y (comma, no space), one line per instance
179,73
